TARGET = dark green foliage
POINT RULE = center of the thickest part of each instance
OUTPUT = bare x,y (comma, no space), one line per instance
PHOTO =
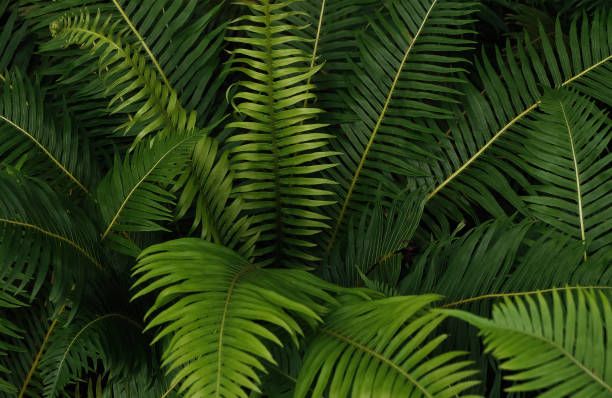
291,199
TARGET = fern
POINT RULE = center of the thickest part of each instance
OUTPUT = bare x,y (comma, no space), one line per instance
387,338
542,345
277,144
213,302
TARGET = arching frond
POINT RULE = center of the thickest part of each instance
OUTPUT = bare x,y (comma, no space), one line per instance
8,300
126,72
560,350
565,150
75,349
278,144
474,166
398,93
39,233
382,348
30,134
211,301
362,255
134,195
14,50
218,214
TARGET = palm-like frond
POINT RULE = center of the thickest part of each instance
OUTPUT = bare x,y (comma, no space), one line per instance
211,301
379,348
362,255
277,146
398,93
75,349
8,300
29,133
562,351
14,52
330,28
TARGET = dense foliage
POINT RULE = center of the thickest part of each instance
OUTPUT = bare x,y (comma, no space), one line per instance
317,198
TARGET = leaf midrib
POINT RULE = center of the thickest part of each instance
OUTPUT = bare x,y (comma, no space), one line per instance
380,357
577,172
46,151
560,349
55,236
376,128
137,185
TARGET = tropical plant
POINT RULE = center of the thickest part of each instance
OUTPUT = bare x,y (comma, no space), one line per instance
315,198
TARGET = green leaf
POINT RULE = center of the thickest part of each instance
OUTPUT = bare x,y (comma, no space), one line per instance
560,350
219,310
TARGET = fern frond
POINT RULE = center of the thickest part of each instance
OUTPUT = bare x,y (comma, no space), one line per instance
512,93
127,73
14,49
134,196
40,233
28,127
564,149
9,299
277,156
75,349
388,338
210,300
218,214
561,350
362,254
395,91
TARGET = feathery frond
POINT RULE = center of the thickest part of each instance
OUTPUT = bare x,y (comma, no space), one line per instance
278,144
212,302
382,348
562,350
398,93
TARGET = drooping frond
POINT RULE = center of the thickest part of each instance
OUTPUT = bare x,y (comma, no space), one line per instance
211,301
561,350
134,195
218,214
398,93
382,348
128,76
278,153
40,233
30,134
474,167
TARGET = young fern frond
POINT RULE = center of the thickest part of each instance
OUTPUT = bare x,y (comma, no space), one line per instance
212,302
388,338
398,93
127,75
545,347
278,152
